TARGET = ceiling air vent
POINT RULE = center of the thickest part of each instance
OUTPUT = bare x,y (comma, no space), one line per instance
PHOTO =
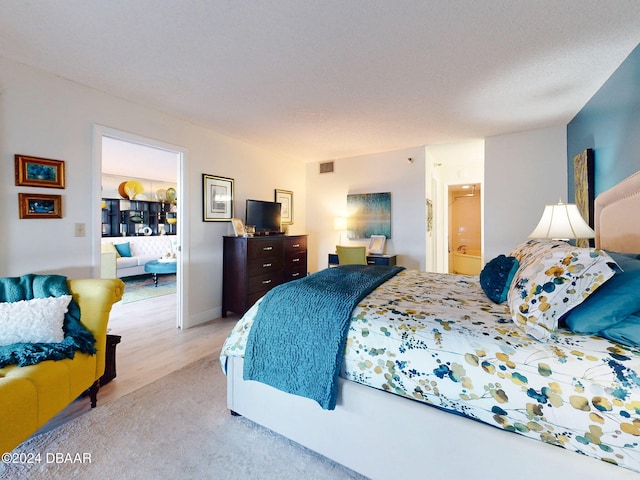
326,167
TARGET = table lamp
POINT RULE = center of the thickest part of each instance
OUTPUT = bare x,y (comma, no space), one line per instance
340,224
562,222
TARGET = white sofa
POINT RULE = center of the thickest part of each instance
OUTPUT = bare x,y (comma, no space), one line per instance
143,249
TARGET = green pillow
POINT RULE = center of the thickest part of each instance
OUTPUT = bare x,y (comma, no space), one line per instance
124,249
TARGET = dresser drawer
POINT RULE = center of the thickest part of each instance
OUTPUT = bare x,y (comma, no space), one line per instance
295,244
381,260
253,298
259,266
263,283
296,260
294,273
259,248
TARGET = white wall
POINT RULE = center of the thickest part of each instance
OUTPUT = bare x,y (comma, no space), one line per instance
523,173
45,116
519,173
376,173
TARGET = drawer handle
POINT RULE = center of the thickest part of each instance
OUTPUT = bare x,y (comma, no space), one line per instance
295,260
266,249
265,265
296,245
266,282
295,274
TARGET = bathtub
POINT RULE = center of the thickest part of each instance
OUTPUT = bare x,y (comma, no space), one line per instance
469,263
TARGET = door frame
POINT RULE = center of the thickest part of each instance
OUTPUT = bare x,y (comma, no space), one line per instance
100,131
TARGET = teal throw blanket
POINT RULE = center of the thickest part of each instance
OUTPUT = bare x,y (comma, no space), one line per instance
297,339
76,336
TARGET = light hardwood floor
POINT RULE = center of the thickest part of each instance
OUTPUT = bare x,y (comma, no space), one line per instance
151,347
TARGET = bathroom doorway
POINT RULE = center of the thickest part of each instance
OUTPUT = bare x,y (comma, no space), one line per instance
465,229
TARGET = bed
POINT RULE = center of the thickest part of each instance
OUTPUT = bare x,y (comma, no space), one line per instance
437,380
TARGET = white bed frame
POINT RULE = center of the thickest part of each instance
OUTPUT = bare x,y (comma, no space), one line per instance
385,436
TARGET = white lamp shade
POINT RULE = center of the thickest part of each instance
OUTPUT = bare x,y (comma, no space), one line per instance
340,223
563,222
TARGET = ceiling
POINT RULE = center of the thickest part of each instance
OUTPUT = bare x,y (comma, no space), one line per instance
126,159
318,80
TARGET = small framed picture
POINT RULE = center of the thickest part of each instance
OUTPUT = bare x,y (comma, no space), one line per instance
285,198
39,206
238,227
217,198
39,172
376,244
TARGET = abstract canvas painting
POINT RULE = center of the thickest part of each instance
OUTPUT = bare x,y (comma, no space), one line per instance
583,181
368,214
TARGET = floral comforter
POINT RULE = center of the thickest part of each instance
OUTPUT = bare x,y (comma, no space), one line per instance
438,339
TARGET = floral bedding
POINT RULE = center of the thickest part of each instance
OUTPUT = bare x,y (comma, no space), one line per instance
438,339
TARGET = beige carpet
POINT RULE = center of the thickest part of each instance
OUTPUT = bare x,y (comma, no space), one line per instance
175,428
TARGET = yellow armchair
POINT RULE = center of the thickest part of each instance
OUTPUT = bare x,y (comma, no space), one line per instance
30,396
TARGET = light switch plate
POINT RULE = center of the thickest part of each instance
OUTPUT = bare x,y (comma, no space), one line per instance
80,229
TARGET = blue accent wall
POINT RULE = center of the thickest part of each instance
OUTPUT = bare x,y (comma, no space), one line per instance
610,125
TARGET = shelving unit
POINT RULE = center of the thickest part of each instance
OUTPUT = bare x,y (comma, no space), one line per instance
128,217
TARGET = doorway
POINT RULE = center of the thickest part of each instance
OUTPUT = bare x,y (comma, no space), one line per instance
140,158
465,229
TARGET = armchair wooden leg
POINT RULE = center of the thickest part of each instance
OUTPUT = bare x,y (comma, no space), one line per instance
93,393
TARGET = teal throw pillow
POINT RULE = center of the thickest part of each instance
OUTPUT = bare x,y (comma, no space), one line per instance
496,277
626,331
124,249
612,303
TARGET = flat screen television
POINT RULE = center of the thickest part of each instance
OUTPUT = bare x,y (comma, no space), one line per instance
265,216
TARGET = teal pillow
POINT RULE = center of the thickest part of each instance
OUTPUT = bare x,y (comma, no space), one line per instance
124,249
626,331
496,277
612,302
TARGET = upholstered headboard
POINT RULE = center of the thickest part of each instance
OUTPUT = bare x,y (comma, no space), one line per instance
617,217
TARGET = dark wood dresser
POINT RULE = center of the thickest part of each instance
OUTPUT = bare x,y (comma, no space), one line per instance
253,266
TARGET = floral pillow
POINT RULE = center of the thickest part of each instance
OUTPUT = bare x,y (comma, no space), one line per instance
553,277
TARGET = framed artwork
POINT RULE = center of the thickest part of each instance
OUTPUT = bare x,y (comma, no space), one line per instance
238,227
39,172
39,206
376,244
429,215
217,198
583,182
368,214
285,197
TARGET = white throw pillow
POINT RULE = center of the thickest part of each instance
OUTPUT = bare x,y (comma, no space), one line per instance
33,321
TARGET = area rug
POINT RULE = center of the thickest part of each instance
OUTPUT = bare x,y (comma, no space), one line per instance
176,427
141,287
